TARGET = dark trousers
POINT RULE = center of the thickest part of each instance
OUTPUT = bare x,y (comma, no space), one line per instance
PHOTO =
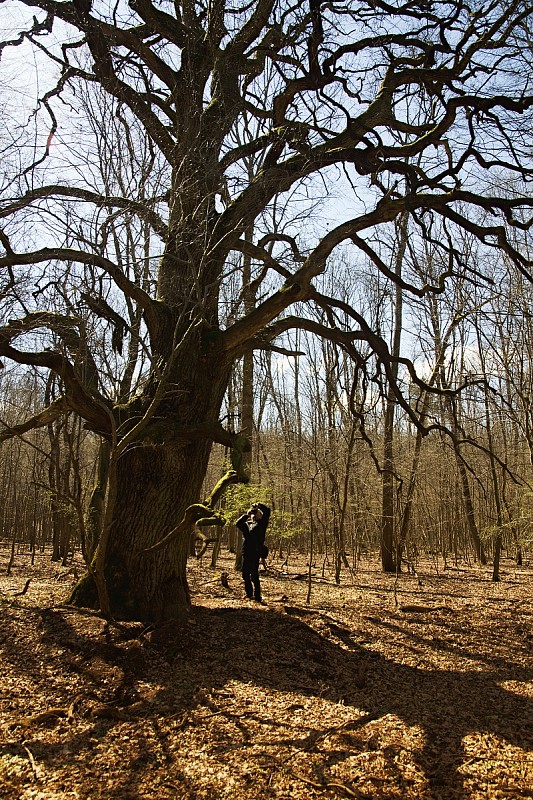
250,573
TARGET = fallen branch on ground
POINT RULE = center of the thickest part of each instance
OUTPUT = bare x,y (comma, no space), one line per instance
26,587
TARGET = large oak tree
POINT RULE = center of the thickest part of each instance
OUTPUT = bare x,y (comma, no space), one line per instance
245,112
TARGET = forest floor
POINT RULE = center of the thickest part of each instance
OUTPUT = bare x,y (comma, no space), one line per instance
377,689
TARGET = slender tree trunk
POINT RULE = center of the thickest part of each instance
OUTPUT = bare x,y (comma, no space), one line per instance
14,530
345,496
469,510
12,551
406,515
389,561
247,389
494,473
57,520
311,540
216,547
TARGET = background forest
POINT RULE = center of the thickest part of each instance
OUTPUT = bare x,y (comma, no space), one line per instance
461,492
278,250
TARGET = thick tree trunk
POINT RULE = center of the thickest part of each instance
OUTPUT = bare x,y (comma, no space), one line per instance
156,483
155,486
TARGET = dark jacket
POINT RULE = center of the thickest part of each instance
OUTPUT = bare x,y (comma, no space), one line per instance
253,533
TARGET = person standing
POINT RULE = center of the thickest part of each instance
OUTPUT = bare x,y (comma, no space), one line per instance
253,527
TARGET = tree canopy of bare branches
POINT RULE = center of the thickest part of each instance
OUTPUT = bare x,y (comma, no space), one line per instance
167,141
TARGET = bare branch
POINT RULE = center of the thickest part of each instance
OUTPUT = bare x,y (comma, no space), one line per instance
141,208
69,254
55,410
87,403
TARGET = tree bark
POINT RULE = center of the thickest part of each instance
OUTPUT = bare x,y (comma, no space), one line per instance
469,509
158,476
155,484
388,514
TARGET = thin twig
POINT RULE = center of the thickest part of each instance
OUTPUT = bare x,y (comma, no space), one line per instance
34,766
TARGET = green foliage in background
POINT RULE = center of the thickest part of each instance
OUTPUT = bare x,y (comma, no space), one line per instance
238,499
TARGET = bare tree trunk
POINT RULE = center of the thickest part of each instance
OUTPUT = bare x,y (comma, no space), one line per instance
389,561
492,460
14,529
344,503
149,586
12,551
311,539
216,547
149,488
247,388
469,510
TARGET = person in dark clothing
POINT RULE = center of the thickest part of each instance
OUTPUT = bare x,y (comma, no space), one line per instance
253,527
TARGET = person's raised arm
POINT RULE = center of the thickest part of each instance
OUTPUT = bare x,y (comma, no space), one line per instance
241,524
265,510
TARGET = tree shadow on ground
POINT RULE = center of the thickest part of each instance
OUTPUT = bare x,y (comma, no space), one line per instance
447,705
278,651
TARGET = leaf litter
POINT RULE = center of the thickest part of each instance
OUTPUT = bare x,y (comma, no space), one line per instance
380,688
